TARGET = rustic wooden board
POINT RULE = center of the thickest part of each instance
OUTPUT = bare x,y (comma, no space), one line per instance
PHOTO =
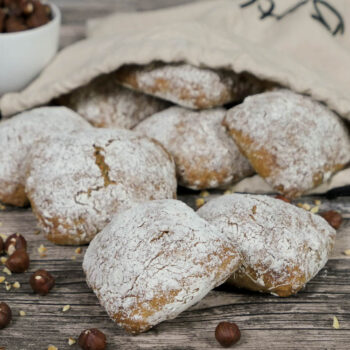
300,322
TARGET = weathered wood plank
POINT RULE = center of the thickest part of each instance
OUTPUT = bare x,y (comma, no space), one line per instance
274,322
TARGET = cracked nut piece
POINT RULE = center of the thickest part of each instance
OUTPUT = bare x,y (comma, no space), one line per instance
41,282
18,262
26,6
52,347
40,15
227,334
5,315
14,242
91,175
92,339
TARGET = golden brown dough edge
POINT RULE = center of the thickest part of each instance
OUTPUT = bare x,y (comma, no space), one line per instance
264,162
201,179
55,235
17,198
145,309
127,76
245,277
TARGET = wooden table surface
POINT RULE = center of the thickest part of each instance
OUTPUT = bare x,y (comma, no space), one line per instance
303,321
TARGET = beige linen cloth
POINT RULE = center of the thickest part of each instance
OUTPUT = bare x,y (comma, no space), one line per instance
303,45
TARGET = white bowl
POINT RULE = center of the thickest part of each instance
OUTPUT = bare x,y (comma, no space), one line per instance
24,54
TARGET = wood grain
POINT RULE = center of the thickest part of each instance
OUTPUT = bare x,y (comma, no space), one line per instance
303,321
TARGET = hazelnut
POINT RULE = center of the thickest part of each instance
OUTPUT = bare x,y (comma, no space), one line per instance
282,198
40,15
333,218
41,282
14,24
5,315
15,242
18,262
227,334
19,15
92,339
26,7
2,19
1,245
12,7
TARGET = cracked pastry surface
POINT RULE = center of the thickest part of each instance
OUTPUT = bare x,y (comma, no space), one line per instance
292,141
18,134
205,155
77,182
189,86
154,261
107,104
282,246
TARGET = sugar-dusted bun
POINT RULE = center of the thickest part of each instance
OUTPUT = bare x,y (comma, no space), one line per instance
107,104
77,182
18,135
154,261
282,246
205,156
189,86
292,141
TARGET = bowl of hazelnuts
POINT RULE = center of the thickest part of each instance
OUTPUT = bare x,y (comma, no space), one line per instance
29,38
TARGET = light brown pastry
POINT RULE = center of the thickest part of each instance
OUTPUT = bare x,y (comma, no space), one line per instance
154,261
189,86
282,246
18,134
107,104
205,155
292,141
77,182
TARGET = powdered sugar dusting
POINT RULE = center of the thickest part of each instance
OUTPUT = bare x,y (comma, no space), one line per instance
205,156
305,141
105,103
273,237
189,86
157,248
77,182
18,134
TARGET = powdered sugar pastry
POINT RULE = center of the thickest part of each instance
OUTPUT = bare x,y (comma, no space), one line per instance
78,182
282,246
154,261
205,156
295,143
19,134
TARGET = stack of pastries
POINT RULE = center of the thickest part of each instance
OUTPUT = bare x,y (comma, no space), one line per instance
105,168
